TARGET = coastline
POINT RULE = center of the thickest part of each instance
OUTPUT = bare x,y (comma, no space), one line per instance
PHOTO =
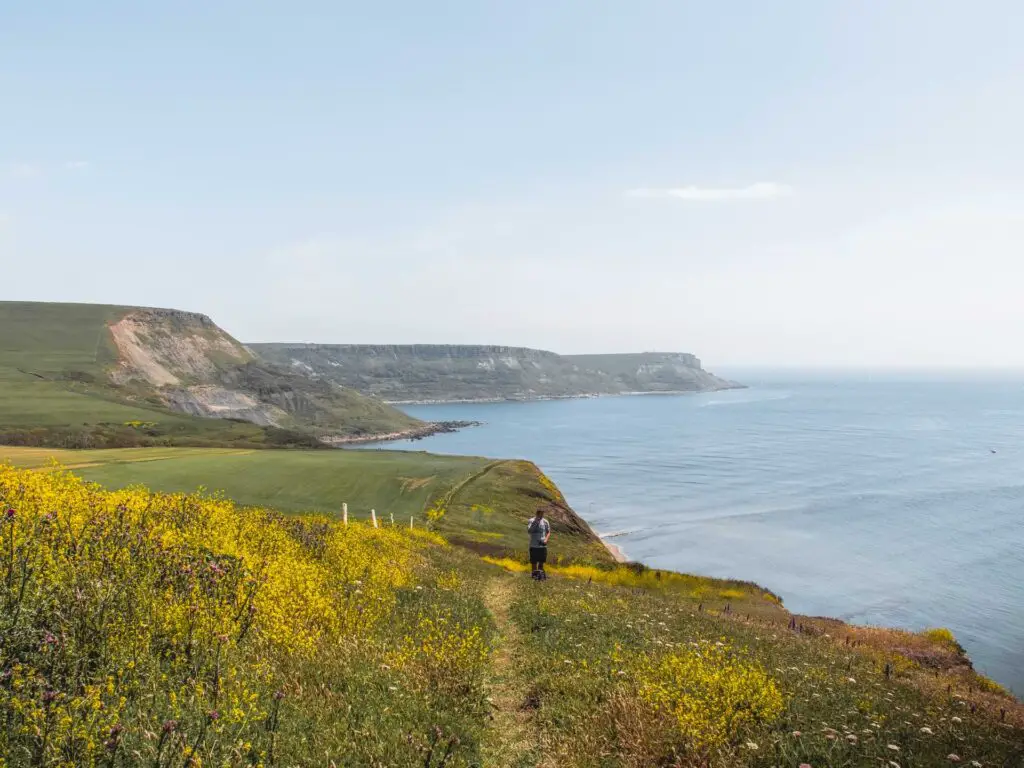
580,396
417,433
617,553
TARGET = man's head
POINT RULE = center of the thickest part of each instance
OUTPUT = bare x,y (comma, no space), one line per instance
540,514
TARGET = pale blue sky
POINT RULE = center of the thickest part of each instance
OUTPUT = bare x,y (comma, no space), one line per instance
805,183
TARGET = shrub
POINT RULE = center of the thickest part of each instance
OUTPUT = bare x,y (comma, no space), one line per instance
710,695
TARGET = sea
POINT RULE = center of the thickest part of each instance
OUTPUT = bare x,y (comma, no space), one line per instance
873,498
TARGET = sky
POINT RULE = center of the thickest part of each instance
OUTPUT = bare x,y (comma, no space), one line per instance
796,183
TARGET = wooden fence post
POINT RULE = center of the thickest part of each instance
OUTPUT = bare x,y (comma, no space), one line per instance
392,519
410,522
373,517
344,513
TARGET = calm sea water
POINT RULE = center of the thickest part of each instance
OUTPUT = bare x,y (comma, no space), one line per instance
889,502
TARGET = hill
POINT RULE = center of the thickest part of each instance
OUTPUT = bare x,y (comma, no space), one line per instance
653,371
90,375
142,628
427,372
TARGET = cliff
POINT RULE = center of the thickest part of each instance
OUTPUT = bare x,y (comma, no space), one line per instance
89,375
198,368
429,372
654,371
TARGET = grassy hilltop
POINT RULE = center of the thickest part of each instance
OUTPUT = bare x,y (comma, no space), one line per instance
183,630
486,502
90,375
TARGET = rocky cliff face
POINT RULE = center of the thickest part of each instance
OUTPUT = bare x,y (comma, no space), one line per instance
196,367
427,372
166,347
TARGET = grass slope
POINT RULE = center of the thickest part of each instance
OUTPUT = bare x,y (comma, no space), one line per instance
54,360
55,390
486,503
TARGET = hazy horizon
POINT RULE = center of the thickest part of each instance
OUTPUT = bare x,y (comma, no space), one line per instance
827,186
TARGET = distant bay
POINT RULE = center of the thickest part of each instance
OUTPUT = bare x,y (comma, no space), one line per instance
875,500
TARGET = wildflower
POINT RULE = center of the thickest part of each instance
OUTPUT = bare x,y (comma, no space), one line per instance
852,738
797,734
851,680
893,747
953,757
927,730
213,714
975,764
805,765
956,719
751,745
170,726
115,734
9,514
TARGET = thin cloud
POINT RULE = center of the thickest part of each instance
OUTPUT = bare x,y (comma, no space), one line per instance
24,171
77,165
762,190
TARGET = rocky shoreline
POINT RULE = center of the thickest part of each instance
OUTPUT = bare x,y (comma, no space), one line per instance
418,433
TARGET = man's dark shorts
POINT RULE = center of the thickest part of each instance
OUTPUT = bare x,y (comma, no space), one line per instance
538,554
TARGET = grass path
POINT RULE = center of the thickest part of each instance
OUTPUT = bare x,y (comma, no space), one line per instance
452,492
511,741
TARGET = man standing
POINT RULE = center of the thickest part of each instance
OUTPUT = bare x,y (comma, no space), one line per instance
540,531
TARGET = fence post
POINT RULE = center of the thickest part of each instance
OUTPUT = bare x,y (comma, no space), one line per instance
373,517
344,513
410,522
392,519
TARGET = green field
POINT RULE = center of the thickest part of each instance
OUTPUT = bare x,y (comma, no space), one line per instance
487,503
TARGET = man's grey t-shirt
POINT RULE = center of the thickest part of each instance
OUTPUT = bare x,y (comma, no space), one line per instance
539,530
